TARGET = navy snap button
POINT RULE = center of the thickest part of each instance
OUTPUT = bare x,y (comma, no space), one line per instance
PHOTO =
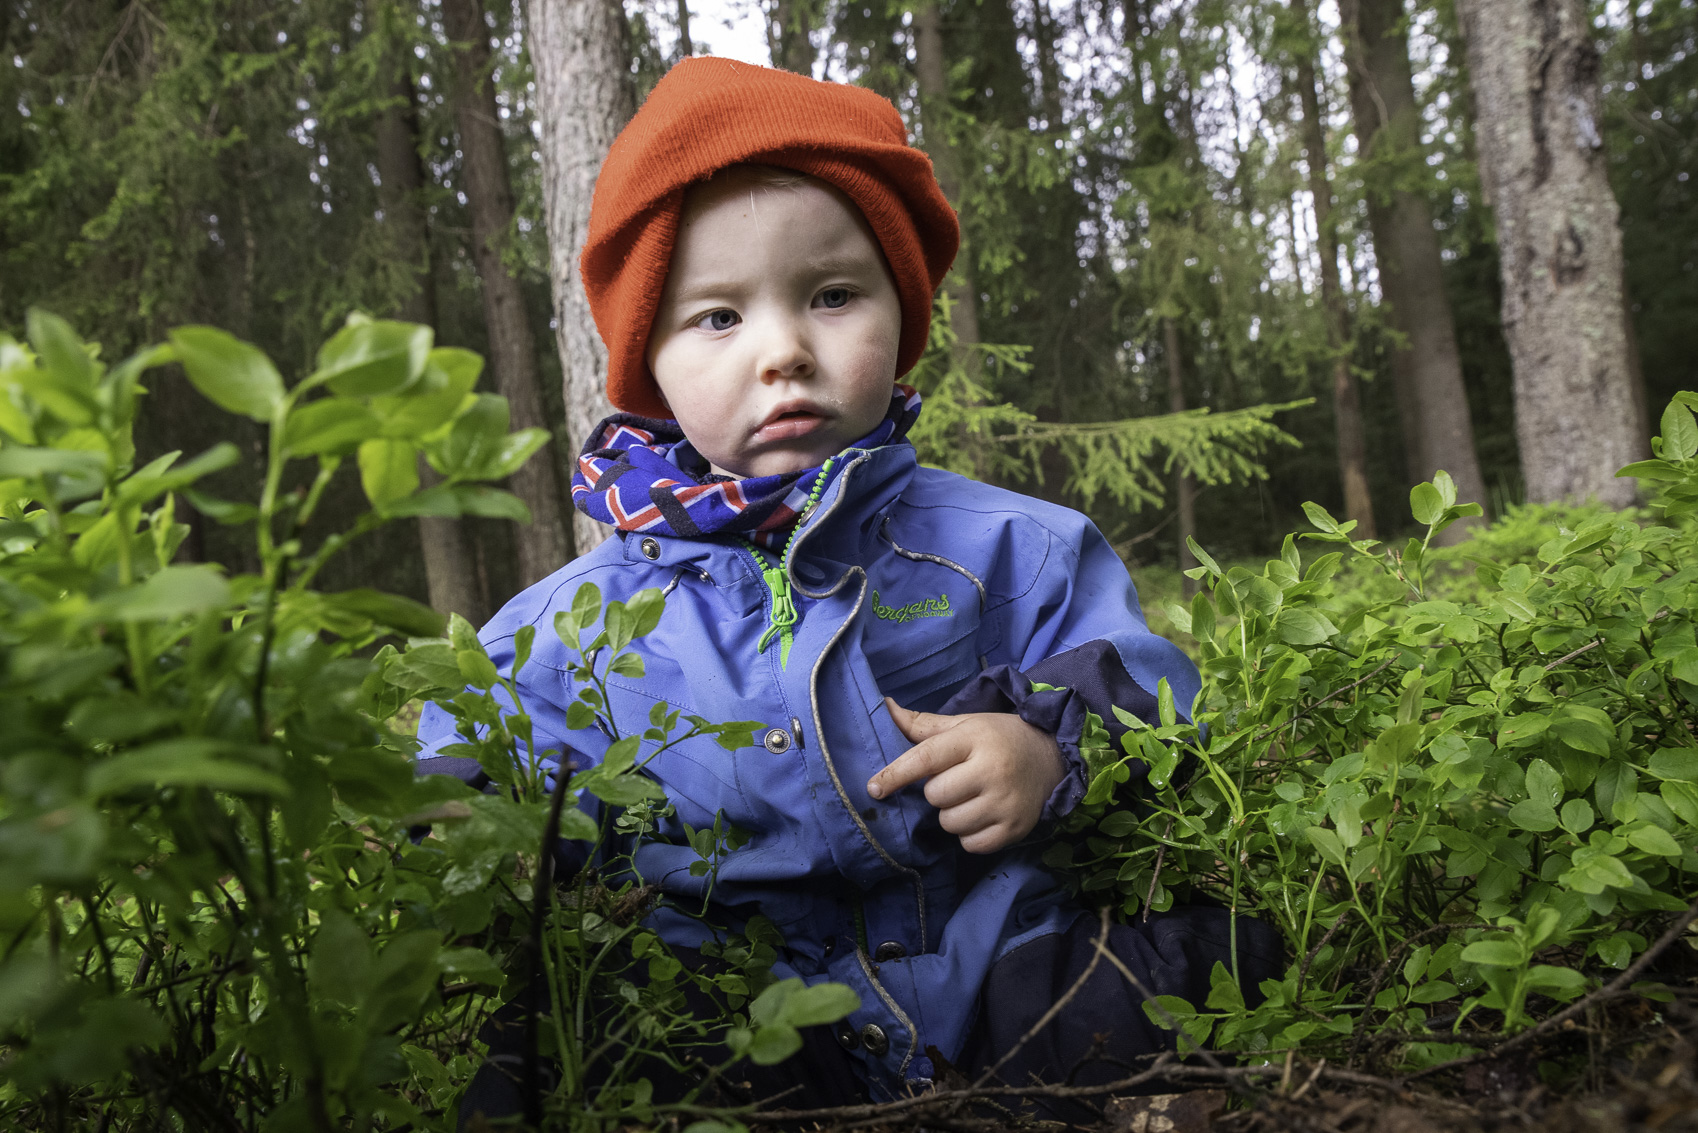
889,950
874,1039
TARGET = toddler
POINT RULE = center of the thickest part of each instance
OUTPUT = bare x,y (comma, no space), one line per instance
921,649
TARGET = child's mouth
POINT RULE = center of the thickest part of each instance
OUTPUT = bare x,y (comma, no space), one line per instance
790,424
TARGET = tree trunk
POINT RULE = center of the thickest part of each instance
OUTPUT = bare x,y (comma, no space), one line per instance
1346,398
1534,72
1184,486
584,96
685,47
1427,369
544,546
791,41
932,73
450,575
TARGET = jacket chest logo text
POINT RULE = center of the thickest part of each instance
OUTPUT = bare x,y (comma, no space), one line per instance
924,608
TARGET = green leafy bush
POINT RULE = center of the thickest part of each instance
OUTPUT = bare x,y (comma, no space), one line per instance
1459,811
210,902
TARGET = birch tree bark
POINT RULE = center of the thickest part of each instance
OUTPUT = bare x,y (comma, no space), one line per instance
581,52
1534,72
1346,397
1437,431
544,546
450,574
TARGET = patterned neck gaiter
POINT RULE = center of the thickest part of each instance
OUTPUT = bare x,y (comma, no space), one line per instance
640,474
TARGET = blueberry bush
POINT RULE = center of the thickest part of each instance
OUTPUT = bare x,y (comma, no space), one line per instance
226,901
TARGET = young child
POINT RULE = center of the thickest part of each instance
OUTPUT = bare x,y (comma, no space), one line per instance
762,256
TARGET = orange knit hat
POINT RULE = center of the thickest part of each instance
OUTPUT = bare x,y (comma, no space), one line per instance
709,113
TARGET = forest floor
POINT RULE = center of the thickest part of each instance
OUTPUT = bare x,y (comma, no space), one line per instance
1632,1067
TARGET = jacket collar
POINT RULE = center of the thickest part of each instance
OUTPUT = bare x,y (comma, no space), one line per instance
862,486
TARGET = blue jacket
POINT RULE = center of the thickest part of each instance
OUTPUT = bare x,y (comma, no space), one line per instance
942,593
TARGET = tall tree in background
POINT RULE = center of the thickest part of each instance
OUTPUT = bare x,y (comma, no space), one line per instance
932,72
790,29
450,572
582,56
1346,397
544,546
1427,370
1534,72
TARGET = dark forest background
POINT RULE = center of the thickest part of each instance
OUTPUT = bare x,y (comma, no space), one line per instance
1136,180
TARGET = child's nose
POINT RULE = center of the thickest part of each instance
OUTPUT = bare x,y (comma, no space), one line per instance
785,351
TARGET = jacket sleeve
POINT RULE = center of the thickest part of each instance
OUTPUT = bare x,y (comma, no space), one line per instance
1077,627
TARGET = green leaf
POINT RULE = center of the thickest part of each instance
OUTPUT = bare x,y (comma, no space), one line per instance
820,1003
172,592
329,425
1653,470
339,962
645,608
1328,843
450,373
627,665
773,1044
413,619
1426,504
1577,816
389,470
1494,954
231,374
1535,815
1653,840
371,357
1675,763
1544,783
1584,728
1516,606
1519,731
511,454
189,762
1680,433
1297,625
60,350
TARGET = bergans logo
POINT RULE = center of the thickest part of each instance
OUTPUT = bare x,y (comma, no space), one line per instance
925,608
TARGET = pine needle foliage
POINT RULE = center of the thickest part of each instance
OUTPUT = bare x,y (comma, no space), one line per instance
966,429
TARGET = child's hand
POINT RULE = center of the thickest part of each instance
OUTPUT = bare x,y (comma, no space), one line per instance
990,773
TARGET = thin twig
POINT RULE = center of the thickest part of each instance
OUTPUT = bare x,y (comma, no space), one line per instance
1385,970
1303,968
1167,1019
1333,695
1155,878
1587,648
1620,985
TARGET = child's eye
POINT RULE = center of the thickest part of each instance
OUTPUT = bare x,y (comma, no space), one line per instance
721,319
834,297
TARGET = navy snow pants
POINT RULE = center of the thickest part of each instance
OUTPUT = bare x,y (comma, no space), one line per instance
1099,1037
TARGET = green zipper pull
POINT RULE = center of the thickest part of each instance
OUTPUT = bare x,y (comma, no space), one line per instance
783,613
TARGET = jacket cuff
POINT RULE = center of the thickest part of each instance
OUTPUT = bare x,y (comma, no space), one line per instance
1057,711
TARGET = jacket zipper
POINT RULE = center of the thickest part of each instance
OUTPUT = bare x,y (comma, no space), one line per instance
782,617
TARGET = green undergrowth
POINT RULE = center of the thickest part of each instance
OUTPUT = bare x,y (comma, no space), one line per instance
226,901
1462,784
1463,796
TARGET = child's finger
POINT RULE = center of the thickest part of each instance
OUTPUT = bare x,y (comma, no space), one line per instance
918,762
918,726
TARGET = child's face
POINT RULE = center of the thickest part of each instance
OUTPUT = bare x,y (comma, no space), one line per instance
776,338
